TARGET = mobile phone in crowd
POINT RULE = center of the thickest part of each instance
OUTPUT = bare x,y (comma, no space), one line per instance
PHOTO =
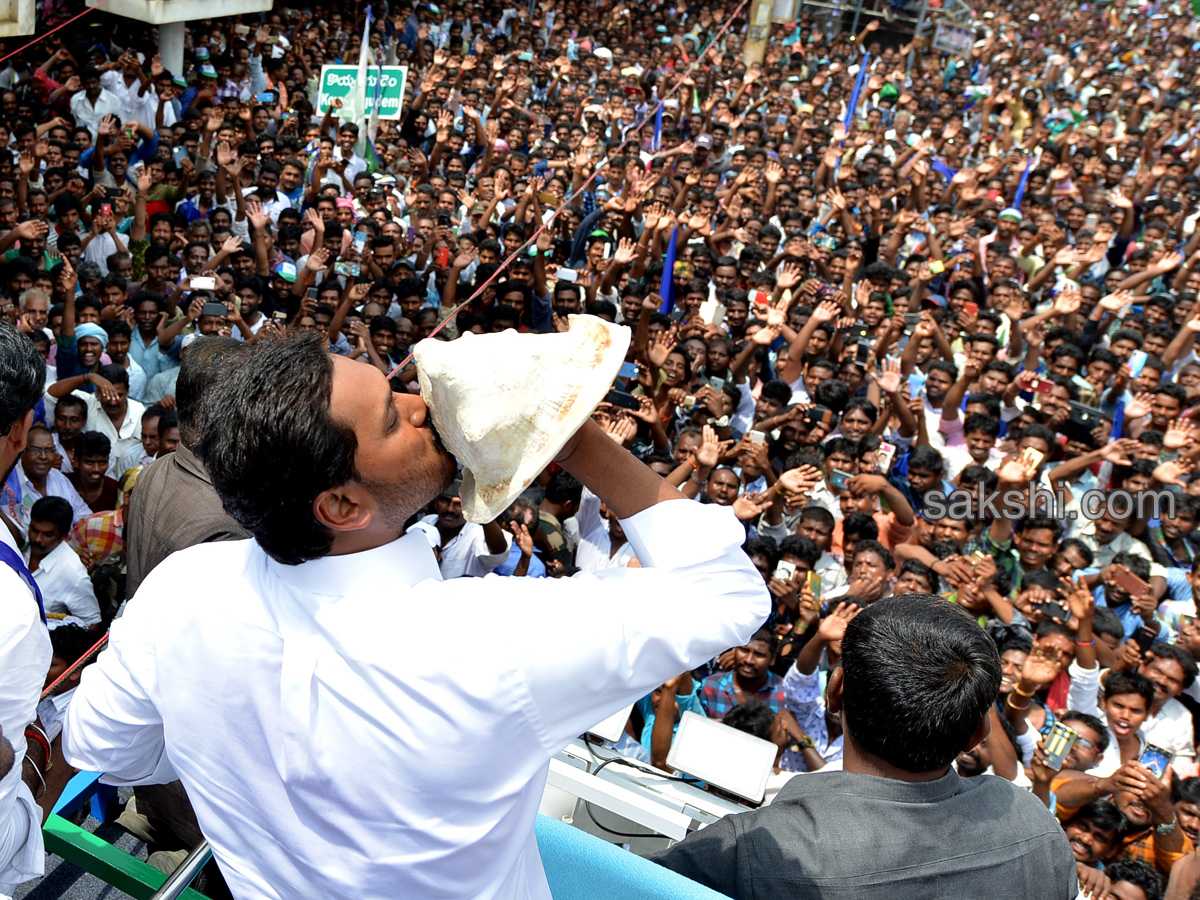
1137,362
1129,582
622,399
203,283
840,480
1145,637
1058,744
756,437
1041,386
1156,759
814,585
862,354
785,571
884,457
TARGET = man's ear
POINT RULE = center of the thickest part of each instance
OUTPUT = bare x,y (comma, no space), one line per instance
347,507
834,691
18,435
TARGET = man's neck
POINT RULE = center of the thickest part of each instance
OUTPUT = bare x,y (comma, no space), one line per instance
35,559
39,484
747,686
119,417
857,760
90,492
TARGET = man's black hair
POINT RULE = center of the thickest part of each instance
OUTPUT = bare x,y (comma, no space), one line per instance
926,457
1107,621
861,525
870,546
800,547
818,514
92,443
1125,682
832,394
71,642
23,375
1183,790
1138,873
564,487
203,361
55,510
764,547
1032,523
114,374
1164,650
1104,815
753,717
919,678
271,444
918,568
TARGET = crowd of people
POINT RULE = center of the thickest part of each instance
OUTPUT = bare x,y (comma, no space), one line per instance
863,277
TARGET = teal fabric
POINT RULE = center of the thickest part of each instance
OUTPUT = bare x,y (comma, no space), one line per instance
580,866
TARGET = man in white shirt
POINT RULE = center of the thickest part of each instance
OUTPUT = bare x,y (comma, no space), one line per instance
93,103
463,548
61,576
603,543
119,419
24,642
325,759
38,478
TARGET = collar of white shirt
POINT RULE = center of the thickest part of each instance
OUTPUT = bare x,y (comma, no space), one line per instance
408,560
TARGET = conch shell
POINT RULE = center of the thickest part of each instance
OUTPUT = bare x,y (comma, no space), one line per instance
505,404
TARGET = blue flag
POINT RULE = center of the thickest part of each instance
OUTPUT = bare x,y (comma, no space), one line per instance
1016,204
656,144
858,83
941,168
668,276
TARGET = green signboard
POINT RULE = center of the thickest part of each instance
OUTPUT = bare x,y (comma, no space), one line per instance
342,81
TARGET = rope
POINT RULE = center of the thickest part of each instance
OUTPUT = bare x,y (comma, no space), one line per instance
78,664
52,30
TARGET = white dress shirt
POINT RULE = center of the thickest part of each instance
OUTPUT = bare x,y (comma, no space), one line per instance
25,656
595,547
1084,696
466,554
57,485
88,115
124,438
66,587
328,757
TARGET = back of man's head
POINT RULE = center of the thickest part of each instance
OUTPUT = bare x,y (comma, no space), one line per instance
271,445
23,376
919,678
201,365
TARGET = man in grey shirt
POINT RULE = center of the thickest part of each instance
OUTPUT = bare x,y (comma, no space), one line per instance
917,681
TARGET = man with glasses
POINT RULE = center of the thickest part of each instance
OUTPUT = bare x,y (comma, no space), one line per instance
38,477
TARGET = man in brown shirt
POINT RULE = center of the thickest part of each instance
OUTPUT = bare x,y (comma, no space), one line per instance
174,504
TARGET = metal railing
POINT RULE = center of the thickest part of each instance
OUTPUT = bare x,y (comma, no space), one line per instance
185,873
